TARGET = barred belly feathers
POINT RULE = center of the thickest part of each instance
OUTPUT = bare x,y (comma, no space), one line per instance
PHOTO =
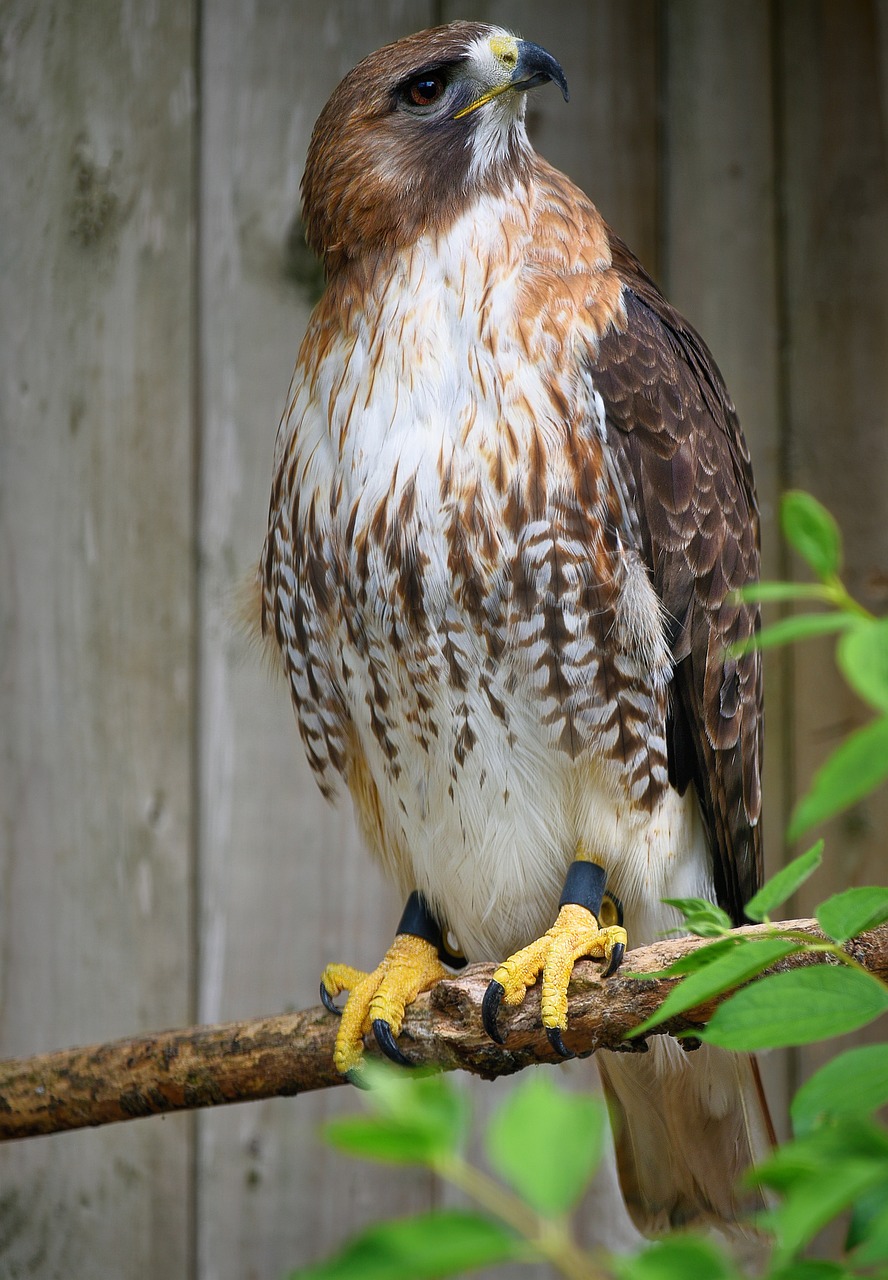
511,502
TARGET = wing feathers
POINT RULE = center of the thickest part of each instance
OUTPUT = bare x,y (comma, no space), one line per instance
678,449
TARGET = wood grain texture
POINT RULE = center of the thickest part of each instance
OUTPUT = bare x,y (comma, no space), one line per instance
720,269
96,578
834,109
285,886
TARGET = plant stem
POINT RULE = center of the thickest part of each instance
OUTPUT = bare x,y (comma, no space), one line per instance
828,948
548,1238
838,596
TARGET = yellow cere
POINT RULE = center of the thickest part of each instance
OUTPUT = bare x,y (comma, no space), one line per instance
505,50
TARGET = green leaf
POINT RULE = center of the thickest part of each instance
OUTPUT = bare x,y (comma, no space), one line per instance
676,1258
427,1246
862,656
783,884
868,1231
701,916
815,1200
728,970
847,914
813,532
771,592
800,627
854,769
547,1143
419,1118
690,963
427,1098
855,1083
811,1269
799,1007
686,905
853,1138
818,1176
380,1138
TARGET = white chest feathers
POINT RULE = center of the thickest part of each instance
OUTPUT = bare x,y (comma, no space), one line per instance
471,640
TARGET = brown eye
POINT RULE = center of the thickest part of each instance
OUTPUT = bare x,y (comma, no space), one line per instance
425,90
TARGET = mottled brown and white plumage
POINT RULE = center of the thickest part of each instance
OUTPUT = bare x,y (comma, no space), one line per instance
511,501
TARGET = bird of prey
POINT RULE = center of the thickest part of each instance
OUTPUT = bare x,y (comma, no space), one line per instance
511,505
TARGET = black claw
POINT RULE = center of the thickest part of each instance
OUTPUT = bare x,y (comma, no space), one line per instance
387,1043
616,960
490,1007
327,1002
554,1034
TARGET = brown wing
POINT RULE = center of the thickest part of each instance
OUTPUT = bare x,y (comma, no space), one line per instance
681,457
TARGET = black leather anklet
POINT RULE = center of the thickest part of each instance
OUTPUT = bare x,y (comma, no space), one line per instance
417,919
584,886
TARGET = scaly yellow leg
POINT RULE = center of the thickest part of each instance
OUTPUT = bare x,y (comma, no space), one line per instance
377,1000
577,932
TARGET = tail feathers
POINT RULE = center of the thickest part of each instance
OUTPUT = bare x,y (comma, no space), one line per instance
687,1125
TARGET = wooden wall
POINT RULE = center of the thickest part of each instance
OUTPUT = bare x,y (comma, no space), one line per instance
164,855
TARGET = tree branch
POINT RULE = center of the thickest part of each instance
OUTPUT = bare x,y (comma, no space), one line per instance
292,1053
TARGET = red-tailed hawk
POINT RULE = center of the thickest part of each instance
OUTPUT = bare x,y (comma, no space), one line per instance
511,502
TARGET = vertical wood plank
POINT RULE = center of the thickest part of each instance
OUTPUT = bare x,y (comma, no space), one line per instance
720,269
96,584
834,100
285,886
720,216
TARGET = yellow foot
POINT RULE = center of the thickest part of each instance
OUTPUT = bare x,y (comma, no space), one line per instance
377,1000
576,933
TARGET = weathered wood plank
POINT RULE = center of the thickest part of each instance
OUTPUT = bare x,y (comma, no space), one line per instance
720,269
96,583
285,885
835,124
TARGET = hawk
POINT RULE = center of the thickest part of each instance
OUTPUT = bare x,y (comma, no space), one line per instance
511,503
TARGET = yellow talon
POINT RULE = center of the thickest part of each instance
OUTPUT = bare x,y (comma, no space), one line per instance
411,965
576,933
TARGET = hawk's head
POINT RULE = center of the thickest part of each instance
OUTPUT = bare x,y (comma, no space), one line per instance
415,132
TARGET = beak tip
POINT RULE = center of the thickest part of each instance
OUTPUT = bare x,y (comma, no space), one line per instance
537,65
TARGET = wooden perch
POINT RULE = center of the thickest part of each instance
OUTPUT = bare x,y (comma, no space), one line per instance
292,1053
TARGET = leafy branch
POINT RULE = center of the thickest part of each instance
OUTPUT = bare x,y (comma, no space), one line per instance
832,1000
860,763
544,1145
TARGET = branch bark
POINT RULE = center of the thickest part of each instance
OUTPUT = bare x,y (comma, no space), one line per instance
289,1054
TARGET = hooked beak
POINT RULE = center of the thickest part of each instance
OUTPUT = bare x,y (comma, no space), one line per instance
529,65
536,66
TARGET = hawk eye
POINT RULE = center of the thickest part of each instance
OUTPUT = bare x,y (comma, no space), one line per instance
424,90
